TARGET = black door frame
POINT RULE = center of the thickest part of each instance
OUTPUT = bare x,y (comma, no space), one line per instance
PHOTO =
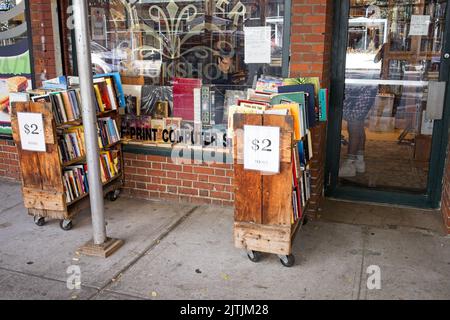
440,134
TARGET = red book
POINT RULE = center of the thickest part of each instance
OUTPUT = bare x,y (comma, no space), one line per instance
183,97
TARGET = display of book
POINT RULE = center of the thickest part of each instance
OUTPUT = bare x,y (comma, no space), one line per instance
67,179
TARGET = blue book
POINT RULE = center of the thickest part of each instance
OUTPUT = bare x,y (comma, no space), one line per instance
323,105
301,153
112,131
311,99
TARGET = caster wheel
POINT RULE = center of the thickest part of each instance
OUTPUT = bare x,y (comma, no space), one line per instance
254,256
305,220
287,261
39,221
66,225
113,195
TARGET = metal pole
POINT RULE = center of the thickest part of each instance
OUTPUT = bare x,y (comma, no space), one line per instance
83,46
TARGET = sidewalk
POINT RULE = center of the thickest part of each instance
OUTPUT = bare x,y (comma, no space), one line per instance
179,251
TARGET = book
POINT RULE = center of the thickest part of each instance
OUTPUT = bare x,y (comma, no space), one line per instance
159,125
98,96
294,110
108,131
311,108
183,97
323,105
132,97
205,100
67,106
111,94
75,182
160,110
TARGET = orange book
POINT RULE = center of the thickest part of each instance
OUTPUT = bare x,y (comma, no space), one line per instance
294,110
68,106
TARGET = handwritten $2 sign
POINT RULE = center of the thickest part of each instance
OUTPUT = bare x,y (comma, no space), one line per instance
31,128
262,148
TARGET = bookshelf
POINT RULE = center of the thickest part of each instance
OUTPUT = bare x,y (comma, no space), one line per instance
54,183
267,213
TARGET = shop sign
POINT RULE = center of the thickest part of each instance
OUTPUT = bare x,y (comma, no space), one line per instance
262,148
31,128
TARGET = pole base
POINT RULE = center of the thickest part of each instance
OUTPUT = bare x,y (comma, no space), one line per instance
103,250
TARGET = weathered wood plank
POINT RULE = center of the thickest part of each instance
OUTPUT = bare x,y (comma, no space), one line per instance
277,197
50,169
239,121
47,115
49,214
43,200
270,239
248,184
248,195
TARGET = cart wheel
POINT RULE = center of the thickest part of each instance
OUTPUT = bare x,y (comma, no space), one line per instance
305,220
66,225
113,195
254,256
39,221
287,261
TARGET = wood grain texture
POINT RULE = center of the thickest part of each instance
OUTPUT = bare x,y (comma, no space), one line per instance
247,184
277,197
248,195
239,121
43,200
263,238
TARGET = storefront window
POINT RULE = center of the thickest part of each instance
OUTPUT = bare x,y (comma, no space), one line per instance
15,66
182,56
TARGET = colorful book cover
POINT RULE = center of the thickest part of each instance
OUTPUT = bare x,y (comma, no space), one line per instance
294,110
312,109
183,97
323,105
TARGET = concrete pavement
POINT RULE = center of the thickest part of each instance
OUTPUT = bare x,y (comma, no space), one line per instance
183,251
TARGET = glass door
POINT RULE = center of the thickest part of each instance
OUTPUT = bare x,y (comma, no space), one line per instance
392,71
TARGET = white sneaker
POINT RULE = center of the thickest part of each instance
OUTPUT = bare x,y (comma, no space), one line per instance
348,169
360,165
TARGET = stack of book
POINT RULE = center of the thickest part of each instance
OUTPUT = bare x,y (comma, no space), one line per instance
108,132
109,164
105,94
75,182
71,144
66,105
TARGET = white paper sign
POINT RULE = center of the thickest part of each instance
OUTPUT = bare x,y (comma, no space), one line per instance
419,25
262,148
257,44
31,129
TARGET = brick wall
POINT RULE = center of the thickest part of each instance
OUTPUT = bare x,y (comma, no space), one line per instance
445,204
43,42
155,177
312,22
9,160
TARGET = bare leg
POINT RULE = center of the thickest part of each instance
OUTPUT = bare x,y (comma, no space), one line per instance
357,138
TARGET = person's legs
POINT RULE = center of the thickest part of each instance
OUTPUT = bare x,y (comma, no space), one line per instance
359,163
356,144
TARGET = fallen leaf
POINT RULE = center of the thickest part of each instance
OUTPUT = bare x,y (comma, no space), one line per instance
154,294
225,276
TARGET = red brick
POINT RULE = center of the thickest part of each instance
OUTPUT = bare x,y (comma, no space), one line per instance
220,195
187,176
188,191
221,180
